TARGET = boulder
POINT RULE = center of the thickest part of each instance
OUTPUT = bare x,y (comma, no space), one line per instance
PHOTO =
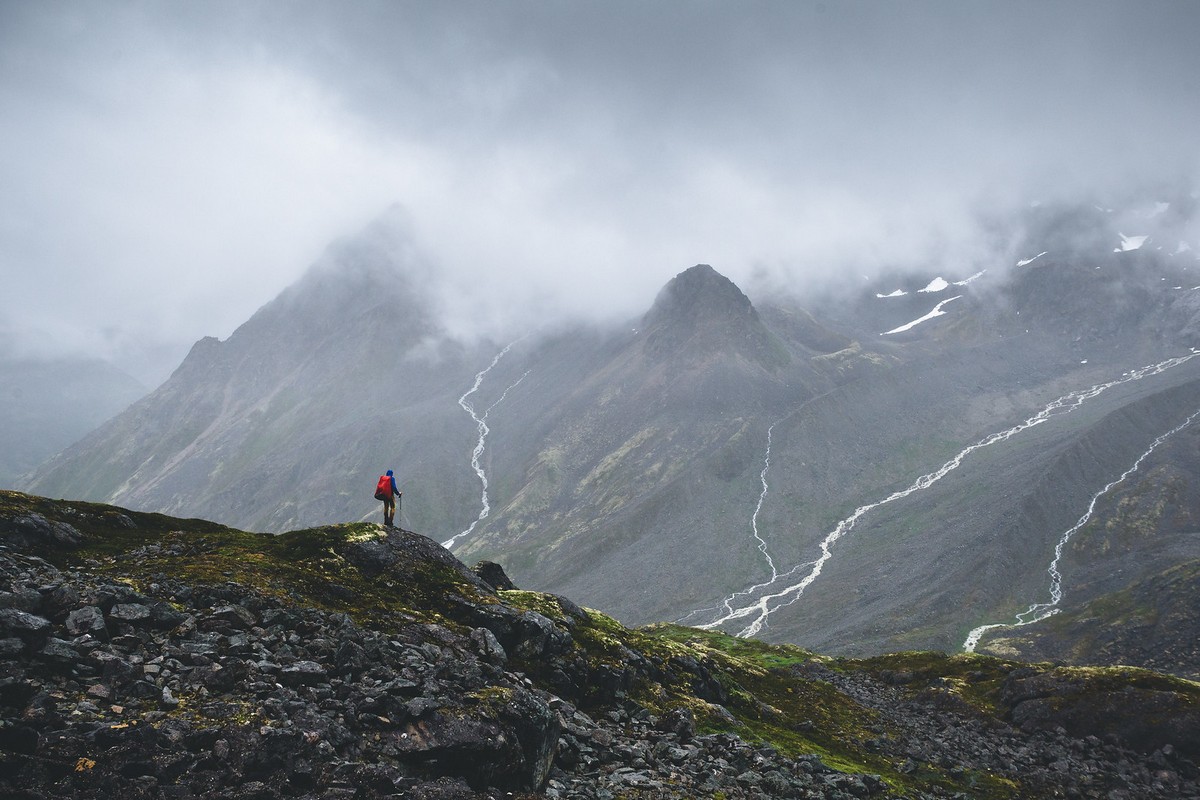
303,673
132,613
507,740
679,721
1144,718
22,623
32,531
490,648
493,575
86,619
235,616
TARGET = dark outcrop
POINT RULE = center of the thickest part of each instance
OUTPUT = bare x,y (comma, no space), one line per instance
158,657
493,575
701,313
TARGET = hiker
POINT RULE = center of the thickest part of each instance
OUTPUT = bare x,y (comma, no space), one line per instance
385,490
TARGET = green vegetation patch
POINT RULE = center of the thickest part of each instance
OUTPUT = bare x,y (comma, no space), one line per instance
303,568
773,693
974,678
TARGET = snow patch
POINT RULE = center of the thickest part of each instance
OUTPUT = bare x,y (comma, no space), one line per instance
965,281
936,285
937,312
1129,243
1026,261
897,293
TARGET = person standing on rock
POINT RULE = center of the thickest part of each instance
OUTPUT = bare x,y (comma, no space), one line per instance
386,491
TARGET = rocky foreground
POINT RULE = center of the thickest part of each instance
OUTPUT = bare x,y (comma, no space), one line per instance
145,656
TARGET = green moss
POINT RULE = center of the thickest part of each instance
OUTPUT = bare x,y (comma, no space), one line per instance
770,699
305,567
545,604
974,678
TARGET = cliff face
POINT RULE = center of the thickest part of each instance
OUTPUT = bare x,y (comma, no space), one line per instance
149,656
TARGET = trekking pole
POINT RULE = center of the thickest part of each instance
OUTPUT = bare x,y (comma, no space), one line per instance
400,509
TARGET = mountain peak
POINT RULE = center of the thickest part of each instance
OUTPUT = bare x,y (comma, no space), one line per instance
700,312
697,293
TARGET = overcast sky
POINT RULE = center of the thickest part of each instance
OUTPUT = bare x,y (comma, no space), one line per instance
168,167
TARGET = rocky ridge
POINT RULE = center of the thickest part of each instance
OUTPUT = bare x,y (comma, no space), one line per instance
156,657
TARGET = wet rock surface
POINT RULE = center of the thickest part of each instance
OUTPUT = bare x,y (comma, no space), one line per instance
116,682
934,726
234,695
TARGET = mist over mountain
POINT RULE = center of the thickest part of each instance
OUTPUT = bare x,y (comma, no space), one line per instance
48,404
895,462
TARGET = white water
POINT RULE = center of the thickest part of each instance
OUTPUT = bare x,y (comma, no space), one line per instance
762,476
483,430
1040,611
727,604
760,610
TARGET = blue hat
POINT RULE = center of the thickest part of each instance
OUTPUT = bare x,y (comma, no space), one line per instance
389,472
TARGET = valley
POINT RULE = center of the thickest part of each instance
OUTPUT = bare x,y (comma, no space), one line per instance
876,478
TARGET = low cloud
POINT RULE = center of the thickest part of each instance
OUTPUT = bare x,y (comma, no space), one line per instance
169,168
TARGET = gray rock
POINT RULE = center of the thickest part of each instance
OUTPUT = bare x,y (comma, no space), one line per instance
679,721
303,673
22,623
493,575
235,616
88,619
489,647
165,617
537,635
59,651
23,599
132,613
33,531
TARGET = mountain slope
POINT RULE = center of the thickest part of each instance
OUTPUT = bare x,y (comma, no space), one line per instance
319,388
892,473
649,454
172,657
1153,623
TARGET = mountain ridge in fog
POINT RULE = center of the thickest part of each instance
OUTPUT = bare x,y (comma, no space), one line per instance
630,466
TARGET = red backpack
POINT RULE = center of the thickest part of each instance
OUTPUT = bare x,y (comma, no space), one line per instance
383,490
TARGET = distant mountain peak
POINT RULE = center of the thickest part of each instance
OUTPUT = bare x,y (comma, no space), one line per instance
700,312
697,293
